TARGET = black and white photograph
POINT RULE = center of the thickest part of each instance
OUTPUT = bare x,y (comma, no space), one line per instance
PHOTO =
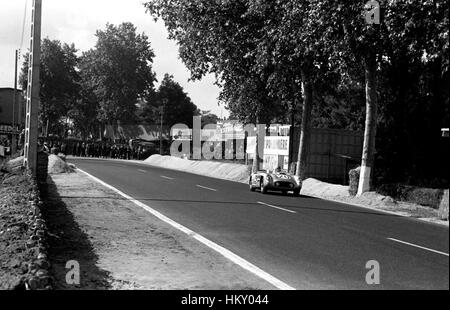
221,153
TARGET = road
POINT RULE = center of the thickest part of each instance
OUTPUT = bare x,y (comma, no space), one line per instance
305,242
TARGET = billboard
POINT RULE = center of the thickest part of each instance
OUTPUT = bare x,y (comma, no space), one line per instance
276,146
272,145
8,129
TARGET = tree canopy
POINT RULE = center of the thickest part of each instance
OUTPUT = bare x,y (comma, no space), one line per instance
119,71
262,51
174,104
59,81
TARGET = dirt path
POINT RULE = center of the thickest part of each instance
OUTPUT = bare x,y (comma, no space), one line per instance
120,246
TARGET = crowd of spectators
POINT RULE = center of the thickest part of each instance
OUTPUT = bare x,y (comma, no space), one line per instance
97,149
5,142
5,147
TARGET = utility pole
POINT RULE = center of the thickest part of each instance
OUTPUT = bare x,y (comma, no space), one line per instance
13,136
33,88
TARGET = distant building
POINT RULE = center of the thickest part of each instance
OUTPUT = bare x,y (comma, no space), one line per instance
6,107
7,131
445,132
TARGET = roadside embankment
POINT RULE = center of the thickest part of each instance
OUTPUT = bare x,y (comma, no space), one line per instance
225,171
373,200
24,262
23,248
57,165
311,187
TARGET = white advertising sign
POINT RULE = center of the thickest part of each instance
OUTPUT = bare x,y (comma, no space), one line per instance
251,143
272,145
276,146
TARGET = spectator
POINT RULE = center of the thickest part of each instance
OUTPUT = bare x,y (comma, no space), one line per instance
46,148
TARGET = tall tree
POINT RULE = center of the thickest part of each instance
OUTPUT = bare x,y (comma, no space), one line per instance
174,104
220,37
119,72
59,83
414,100
274,55
353,41
359,42
208,118
294,47
84,113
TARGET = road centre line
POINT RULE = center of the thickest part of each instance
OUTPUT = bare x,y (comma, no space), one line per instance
221,250
271,206
167,178
207,188
418,246
143,171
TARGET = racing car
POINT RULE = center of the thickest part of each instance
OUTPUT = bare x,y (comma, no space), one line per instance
275,181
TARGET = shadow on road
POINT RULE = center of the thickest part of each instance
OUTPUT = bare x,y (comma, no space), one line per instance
68,242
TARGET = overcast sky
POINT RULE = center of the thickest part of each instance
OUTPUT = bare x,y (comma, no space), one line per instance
76,22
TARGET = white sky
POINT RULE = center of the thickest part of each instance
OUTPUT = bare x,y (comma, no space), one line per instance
76,22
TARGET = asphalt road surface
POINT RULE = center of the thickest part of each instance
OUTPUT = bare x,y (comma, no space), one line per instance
305,242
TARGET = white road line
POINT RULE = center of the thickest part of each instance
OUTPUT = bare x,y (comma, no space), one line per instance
144,171
418,246
221,250
167,178
207,188
267,205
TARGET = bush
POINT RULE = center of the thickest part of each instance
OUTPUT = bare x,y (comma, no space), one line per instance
354,181
419,195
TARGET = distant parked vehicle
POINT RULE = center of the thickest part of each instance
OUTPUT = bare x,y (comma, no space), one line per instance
147,148
275,181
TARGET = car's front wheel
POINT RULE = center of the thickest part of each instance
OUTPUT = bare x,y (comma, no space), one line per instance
250,183
262,187
296,193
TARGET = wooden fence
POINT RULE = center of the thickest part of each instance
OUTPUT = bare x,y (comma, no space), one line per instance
332,153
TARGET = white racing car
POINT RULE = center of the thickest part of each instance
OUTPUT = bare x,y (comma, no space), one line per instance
275,181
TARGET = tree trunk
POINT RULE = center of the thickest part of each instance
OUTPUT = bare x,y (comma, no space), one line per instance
255,165
305,134
291,139
368,155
